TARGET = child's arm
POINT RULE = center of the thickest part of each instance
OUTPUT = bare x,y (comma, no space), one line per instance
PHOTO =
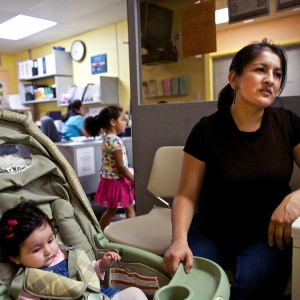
107,261
118,156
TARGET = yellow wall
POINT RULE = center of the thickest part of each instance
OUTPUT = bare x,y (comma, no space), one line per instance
113,40
107,40
8,65
283,31
229,41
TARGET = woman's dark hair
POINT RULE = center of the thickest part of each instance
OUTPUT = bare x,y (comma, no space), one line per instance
243,57
93,125
72,107
17,224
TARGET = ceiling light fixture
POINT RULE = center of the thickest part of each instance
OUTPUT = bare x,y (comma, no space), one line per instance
221,15
22,26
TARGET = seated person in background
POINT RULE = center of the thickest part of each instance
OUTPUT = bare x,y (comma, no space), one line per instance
74,120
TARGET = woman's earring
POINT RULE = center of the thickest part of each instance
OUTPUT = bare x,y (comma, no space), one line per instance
234,95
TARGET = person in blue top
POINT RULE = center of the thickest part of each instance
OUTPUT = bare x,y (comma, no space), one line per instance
74,121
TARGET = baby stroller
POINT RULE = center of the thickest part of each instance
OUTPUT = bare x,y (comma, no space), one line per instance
32,168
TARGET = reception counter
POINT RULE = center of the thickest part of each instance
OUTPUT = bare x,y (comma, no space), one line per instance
85,158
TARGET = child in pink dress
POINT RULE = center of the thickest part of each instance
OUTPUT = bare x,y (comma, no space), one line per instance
116,186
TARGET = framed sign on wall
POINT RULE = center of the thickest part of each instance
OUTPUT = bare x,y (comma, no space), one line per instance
286,4
242,10
98,64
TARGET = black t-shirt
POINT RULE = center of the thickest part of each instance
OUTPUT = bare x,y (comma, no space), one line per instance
247,174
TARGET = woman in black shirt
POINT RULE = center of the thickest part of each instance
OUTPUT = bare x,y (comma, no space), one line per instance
234,204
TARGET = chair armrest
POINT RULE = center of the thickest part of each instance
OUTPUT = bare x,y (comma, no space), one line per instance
151,232
296,259
296,230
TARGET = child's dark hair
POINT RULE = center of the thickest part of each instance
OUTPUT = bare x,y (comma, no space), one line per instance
72,107
93,125
243,57
17,224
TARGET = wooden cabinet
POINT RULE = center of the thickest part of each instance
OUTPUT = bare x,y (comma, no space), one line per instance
46,78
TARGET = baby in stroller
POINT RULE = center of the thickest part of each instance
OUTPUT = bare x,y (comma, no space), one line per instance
27,236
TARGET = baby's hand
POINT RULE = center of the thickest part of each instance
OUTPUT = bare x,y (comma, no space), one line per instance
108,259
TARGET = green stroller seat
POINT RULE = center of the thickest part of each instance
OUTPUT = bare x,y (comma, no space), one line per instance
32,168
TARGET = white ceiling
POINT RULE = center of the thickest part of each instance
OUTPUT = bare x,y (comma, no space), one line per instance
75,17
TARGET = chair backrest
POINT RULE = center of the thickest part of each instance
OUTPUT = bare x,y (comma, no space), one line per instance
165,172
49,129
295,180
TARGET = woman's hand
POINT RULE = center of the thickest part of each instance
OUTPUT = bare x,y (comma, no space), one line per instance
183,207
179,251
282,219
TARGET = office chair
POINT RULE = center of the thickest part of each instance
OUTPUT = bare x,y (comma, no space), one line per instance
153,231
49,129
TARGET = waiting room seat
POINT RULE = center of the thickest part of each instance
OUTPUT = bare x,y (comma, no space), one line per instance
14,103
295,287
153,231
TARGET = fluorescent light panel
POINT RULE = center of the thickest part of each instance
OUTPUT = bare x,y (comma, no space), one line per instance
22,26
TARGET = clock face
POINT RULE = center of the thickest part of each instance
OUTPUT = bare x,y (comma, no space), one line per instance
78,50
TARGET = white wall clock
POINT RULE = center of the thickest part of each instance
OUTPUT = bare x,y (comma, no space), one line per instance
78,50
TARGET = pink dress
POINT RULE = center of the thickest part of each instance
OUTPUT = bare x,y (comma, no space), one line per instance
114,190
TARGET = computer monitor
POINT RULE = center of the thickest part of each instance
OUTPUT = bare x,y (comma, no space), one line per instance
55,115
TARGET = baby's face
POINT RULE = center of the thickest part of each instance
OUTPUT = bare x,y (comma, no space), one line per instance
39,249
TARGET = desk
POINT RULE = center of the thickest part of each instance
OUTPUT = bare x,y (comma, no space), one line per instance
86,157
